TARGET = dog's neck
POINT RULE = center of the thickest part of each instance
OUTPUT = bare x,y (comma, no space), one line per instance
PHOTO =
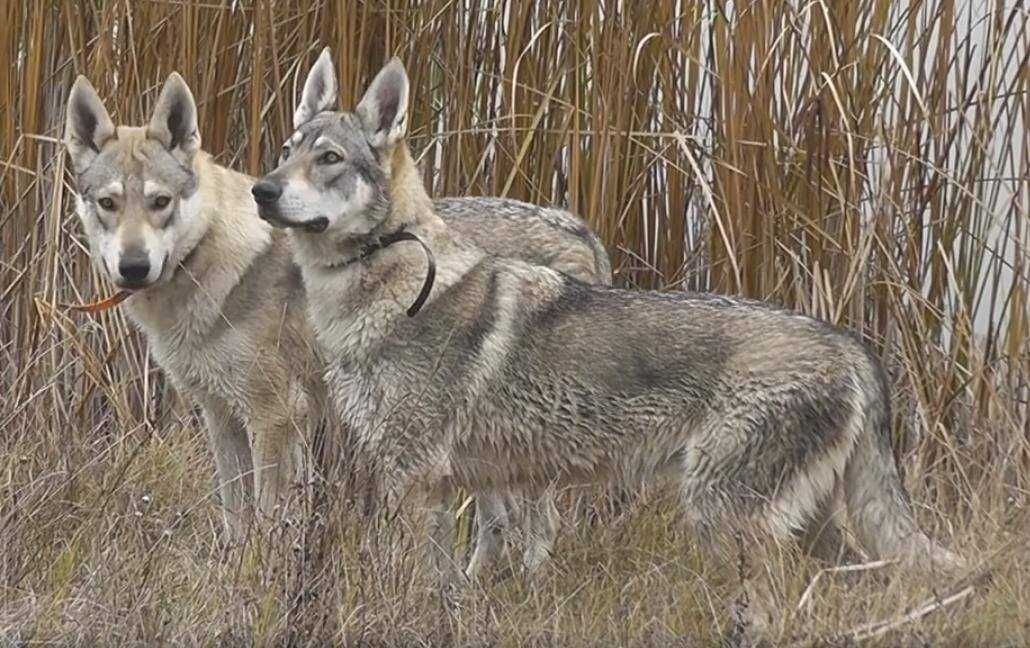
354,305
408,201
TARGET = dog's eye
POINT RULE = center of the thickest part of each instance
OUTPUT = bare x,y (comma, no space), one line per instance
106,203
330,157
161,202
285,153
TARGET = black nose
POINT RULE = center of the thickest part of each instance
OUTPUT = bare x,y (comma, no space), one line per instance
134,269
266,192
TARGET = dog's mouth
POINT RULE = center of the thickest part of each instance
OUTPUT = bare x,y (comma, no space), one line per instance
315,225
132,286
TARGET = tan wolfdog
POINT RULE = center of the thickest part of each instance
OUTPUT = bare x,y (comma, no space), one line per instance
216,292
517,376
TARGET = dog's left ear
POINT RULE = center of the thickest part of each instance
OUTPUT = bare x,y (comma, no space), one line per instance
384,108
174,122
320,90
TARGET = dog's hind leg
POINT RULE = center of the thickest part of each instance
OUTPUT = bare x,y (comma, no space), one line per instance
822,537
746,491
231,448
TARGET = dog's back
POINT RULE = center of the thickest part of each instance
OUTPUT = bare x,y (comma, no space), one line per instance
543,236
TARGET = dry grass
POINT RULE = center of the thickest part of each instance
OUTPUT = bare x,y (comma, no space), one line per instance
863,161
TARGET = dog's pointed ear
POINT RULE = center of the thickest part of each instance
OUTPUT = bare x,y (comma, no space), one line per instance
174,121
320,90
384,108
87,125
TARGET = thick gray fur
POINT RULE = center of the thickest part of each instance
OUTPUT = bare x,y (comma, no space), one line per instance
516,376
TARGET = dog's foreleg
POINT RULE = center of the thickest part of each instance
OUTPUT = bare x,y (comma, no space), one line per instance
492,524
273,462
228,440
537,519
541,522
440,541
277,424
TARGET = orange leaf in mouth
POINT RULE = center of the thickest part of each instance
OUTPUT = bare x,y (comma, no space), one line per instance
100,306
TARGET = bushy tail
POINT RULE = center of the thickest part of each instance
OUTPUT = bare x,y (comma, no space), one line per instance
877,504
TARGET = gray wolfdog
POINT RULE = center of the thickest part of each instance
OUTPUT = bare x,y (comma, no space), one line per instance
513,376
220,300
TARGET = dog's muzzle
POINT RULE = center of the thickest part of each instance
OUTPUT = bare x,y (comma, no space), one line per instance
266,195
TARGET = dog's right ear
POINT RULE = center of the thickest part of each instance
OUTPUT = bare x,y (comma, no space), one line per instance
383,110
320,90
87,125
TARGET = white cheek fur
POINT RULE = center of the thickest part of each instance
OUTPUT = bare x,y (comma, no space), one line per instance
190,207
159,244
80,207
90,221
108,247
302,201
102,244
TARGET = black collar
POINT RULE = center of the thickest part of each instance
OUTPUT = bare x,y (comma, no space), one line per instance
387,240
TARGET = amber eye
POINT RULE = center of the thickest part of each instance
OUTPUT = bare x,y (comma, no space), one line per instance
106,203
330,157
161,202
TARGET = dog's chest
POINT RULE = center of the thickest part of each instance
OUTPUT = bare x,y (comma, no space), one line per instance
227,334
379,398
205,365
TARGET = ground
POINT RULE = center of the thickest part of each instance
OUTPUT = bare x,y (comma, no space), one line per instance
118,541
